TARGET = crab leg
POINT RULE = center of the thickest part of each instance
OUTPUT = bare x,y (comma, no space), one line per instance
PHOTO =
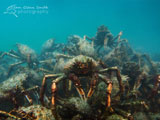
119,36
35,88
64,56
29,99
53,90
13,65
6,115
42,90
105,79
26,94
49,61
138,81
93,85
53,98
27,91
28,60
13,52
9,54
15,102
70,85
121,87
155,88
78,86
45,70
67,86
109,90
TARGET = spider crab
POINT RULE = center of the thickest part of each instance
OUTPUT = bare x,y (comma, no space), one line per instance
24,54
104,38
76,68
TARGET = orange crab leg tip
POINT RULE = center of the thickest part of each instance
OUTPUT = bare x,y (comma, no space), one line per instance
108,101
109,88
53,101
81,92
90,93
53,89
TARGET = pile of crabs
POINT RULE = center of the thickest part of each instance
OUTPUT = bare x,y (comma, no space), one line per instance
89,78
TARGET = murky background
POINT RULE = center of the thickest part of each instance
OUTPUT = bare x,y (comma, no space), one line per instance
32,22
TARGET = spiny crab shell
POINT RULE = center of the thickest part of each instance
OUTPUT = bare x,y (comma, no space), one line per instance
26,51
81,66
34,112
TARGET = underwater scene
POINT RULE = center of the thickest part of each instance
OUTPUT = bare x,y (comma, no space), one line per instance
79,60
